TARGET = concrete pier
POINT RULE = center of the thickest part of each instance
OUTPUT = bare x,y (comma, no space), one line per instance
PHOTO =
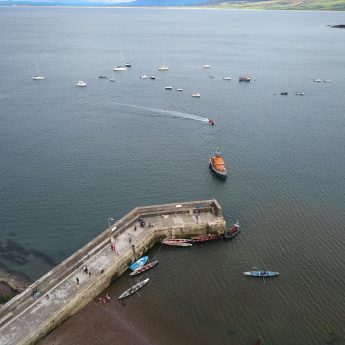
28,316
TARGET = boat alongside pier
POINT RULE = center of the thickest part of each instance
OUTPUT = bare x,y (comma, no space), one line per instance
66,289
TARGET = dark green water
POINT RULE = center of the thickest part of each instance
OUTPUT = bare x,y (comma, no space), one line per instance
71,157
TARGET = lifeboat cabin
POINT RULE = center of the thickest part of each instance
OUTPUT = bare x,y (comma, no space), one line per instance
217,165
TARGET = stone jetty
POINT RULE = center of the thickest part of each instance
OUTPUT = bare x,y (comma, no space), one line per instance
66,289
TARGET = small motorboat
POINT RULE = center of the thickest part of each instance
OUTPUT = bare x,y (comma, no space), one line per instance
207,238
81,83
317,80
206,66
102,76
327,81
128,64
227,78
211,76
144,268
284,93
217,165
144,76
168,88
134,288
179,90
261,274
233,231
177,243
210,122
244,78
196,94
139,263
153,77
299,93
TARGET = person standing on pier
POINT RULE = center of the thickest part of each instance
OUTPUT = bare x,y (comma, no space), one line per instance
77,281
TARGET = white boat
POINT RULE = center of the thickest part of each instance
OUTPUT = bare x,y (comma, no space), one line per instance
134,288
327,81
196,94
206,66
179,90
244,78
38,76
299,93
227,78
144,76
168,88
81,83
121,67
317,80
163,67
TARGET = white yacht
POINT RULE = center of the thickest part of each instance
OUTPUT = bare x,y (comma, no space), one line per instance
81,83
120,68
179,90
317,80
206,66
299,93
144,76
227,78
38,76
196,94
168,88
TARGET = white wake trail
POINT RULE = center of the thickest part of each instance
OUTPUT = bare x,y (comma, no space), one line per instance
166,113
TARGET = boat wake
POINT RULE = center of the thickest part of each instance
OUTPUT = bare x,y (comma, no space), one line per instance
165,113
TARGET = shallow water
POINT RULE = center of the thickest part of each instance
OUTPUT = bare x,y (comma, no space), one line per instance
71,157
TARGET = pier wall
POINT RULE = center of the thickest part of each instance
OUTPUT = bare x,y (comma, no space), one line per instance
76,261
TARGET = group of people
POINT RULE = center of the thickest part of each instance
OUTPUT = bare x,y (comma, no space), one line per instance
86,271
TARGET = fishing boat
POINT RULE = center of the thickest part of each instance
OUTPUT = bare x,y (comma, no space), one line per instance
244,78
139,263
217,165
210,122
38,76
177,243
196,94
134,288
144,268
233,231
81,83
261,274
207,238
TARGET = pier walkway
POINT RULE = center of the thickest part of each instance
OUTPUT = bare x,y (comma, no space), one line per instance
66,289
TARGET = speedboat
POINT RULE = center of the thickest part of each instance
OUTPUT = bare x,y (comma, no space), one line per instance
179,90
210,122
134,288
196,94
244,78
168,88
37,77
217,165
233,231
227,78
206,66
317,80
81,83
144,76
261,274
299,93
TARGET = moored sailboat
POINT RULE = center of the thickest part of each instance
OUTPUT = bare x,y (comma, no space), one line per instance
38,76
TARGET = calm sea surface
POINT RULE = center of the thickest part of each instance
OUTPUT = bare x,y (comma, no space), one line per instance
70,157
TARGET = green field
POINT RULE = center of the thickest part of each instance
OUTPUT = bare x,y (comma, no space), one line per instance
317,5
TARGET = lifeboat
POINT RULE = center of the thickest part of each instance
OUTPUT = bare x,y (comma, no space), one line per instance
210,122
217,165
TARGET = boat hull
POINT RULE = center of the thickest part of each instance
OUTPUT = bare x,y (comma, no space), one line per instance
144,268
221,174
261,274
202,239
232,232
139,263
133,289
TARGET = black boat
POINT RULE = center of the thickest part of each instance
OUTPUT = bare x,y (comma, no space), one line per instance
233,231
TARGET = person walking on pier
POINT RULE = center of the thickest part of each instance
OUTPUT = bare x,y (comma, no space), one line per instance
77,281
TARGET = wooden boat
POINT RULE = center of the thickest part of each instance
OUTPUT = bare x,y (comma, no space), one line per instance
177,243
144,268
217,165
233,231
207,238
133,288
261,274
141,262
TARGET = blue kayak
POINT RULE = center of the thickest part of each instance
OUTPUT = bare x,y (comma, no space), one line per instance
261,274
141,262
